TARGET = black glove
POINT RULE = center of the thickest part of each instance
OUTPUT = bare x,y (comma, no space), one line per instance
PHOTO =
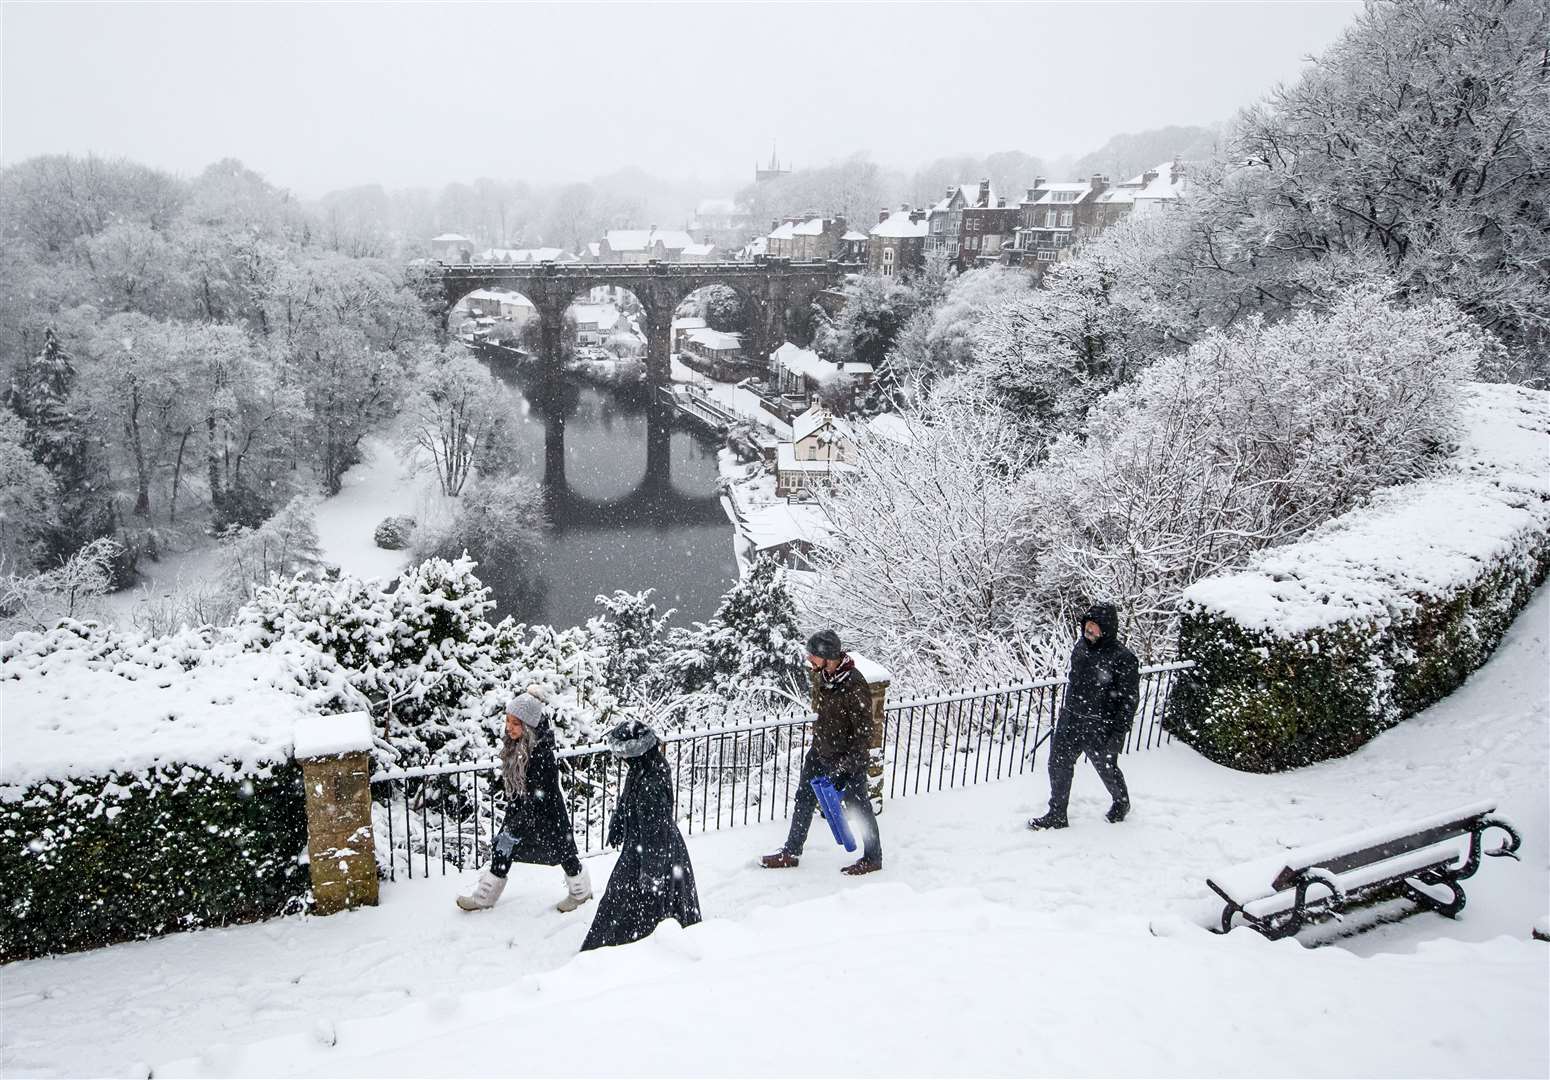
841,782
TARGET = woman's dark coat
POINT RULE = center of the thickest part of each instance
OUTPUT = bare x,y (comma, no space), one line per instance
653,880
539,820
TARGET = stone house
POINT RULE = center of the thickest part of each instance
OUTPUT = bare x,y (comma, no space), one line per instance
970,222
809,237
717,354
821,446
898,242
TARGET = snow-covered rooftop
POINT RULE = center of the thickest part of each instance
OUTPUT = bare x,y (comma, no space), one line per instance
716,339
1048,198
451,238
852,235
815,420
800,361
783,523
642,239
898,224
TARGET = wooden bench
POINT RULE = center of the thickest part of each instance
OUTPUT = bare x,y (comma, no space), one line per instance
1279,895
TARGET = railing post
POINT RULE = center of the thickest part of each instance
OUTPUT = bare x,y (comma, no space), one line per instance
335,757
878,679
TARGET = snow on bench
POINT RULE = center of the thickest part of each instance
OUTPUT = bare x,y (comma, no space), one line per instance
1272,893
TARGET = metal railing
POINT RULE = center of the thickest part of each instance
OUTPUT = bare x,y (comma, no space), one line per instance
445,817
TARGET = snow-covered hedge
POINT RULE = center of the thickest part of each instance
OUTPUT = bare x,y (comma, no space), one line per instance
146,783
1317,646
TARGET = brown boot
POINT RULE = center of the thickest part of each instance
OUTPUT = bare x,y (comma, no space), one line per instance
781,860
862,866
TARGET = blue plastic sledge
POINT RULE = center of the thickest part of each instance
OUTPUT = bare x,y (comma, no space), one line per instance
830,804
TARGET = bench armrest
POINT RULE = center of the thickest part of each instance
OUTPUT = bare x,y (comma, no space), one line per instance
1509,846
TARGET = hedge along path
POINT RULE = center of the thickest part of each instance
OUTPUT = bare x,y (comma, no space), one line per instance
1316,647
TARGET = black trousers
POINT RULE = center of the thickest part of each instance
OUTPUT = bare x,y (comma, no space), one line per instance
506,842
853,798
1071,742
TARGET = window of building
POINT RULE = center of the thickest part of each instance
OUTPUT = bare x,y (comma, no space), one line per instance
888,262
1065,218
1046,254
1064,196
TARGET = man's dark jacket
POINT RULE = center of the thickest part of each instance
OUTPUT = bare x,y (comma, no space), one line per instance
1104,682
842,731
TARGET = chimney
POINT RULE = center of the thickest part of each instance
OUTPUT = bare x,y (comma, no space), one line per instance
950,191
984,198
1038,182
1148,176
774,223
882,215
1000,204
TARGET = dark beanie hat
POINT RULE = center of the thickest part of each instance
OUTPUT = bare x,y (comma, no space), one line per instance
825,645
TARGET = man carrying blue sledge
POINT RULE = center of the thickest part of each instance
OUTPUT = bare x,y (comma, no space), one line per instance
842,734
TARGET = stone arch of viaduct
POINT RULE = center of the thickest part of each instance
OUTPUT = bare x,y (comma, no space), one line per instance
774,288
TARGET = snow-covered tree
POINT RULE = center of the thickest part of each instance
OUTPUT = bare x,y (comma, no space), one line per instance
876,309
752,638
69,591
454,404
1099,319
633,637
283,546
1421,138
1251,438
930,551
25,496
937,341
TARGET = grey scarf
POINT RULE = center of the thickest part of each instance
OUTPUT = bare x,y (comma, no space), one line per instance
514,757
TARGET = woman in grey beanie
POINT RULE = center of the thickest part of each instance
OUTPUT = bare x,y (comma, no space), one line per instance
537,828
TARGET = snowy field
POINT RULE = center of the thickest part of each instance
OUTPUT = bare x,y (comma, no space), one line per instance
981,949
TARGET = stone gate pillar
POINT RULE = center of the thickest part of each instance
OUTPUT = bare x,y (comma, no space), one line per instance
335,757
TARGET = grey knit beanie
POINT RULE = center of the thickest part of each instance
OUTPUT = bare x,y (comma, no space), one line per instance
526,707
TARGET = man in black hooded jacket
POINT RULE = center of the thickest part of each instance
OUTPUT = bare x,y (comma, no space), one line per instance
1102,688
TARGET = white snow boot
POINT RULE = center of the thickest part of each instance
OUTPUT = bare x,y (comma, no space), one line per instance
485,893
578,890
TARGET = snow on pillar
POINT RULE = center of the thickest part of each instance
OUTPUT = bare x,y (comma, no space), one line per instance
877,678
335,757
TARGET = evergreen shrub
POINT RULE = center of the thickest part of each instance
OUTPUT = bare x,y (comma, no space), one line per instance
90,862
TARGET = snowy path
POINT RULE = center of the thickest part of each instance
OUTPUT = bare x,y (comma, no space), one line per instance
980,949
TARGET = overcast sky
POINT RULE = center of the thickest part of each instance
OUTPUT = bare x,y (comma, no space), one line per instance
318,96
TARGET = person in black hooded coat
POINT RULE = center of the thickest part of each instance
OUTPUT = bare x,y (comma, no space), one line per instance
1102,688
653,879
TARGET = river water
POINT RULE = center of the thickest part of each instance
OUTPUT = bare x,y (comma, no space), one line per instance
632,505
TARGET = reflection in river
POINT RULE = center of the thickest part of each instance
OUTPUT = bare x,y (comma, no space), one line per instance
632,505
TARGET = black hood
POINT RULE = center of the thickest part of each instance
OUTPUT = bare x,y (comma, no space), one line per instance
1107,618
